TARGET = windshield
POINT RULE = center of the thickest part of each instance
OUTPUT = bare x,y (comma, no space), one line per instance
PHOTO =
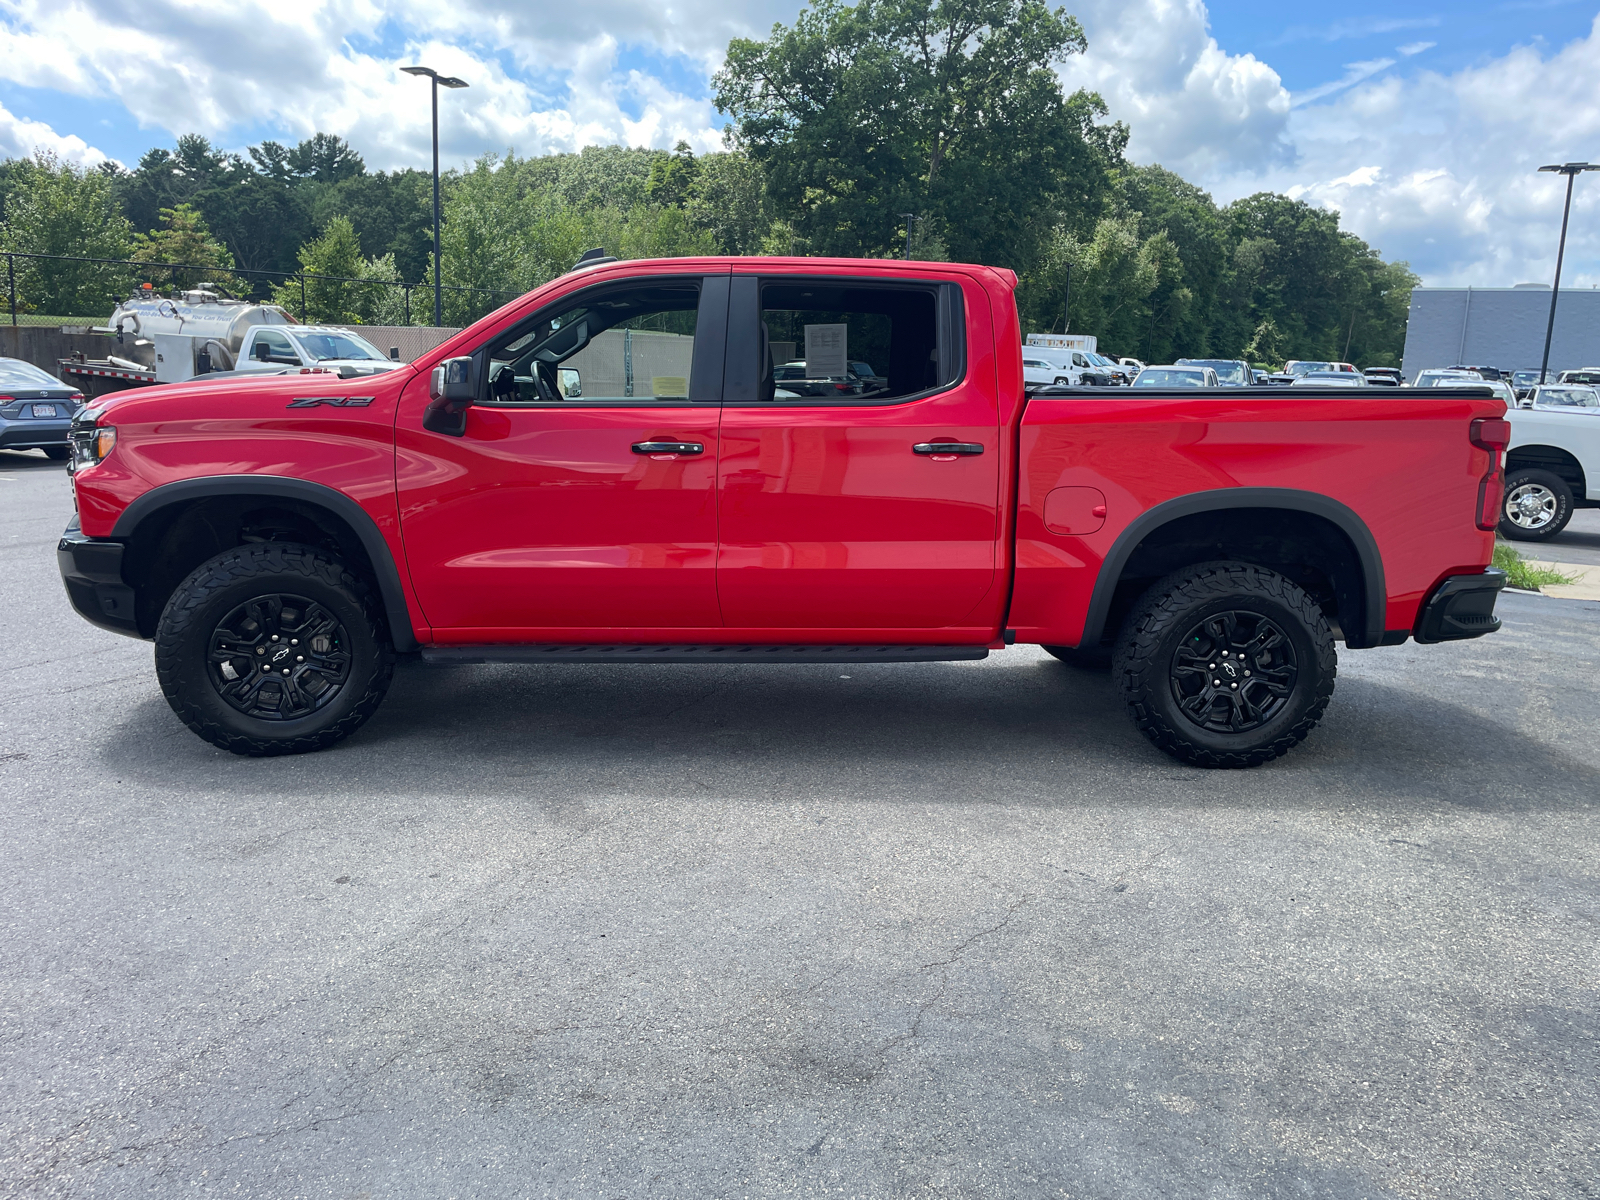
1524,378
1447,378
14,373
324,344
1170,377
1228,371
1305,368
1566,397
1585,377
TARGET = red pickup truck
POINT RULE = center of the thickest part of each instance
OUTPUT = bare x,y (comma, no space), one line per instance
606,471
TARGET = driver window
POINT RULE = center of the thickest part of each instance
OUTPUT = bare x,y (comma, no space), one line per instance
272,346
629,343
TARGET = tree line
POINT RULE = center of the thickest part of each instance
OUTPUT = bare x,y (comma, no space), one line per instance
937,128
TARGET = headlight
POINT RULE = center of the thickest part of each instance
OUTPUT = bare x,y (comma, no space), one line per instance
90,442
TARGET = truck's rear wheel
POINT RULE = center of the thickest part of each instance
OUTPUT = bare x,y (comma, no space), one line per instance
1226,665
273,649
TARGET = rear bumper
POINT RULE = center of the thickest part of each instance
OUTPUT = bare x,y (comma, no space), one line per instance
29,433
91,568
1461,607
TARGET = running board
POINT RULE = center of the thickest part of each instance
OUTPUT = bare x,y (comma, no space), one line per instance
461,655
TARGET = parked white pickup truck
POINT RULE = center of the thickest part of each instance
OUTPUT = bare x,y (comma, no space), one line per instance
1552,468
172,339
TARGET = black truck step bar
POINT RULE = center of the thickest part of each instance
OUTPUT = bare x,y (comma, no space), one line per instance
854,655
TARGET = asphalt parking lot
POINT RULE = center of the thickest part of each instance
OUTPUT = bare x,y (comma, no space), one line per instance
932,930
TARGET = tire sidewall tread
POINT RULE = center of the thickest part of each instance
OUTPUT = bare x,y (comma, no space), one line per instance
1169,609
1509,529
211,589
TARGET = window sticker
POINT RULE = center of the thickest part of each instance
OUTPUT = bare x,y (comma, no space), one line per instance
827,351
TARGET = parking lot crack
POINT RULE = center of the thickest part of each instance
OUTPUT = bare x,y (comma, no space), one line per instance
942,965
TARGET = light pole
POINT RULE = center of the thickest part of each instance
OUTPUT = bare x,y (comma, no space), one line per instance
449,81
1571,171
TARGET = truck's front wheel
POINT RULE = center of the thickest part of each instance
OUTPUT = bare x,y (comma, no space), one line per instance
1226,665
273,649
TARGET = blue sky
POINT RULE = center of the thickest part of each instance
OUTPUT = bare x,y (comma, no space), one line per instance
1423,125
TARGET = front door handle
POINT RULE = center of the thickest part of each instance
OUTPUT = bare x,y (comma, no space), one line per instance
668,448
947,448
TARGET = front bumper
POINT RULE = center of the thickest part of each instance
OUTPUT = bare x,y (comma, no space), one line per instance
92,570
28,434
1461,607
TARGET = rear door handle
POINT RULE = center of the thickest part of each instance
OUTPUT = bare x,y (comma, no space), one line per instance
947,448
668,448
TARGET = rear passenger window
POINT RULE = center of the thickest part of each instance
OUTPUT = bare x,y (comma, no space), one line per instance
820,341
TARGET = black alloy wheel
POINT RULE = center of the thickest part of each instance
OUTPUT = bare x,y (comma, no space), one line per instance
279,657
1226,664
1233,672
273,648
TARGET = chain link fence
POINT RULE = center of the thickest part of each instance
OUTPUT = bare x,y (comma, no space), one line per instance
68,290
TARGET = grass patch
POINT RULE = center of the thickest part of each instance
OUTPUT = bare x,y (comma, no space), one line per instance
1522,574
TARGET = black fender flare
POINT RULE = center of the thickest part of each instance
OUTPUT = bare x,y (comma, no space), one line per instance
1345,519
357,518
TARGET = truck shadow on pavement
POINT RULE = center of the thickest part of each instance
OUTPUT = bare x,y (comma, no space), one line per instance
1026,732
28,460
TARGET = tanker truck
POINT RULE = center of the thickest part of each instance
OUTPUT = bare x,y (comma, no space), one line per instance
195,332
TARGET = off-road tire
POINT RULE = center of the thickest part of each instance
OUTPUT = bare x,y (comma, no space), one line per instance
234,577
1085,658
1552,485
1147,652
57,453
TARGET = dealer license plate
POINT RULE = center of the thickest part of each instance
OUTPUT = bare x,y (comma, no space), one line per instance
44,410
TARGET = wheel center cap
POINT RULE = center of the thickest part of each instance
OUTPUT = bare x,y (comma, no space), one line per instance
281,653
1233,671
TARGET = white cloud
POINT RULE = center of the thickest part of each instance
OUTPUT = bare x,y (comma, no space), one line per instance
1354,73
1442,170
314,66
1411,48
20,137
1191,106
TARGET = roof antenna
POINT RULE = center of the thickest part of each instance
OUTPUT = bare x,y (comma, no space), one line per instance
593,258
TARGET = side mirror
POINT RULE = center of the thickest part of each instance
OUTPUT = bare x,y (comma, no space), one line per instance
394,353
452,390
571,383
262,352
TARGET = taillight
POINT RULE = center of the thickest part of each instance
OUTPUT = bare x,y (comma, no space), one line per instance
1491,492
1490,433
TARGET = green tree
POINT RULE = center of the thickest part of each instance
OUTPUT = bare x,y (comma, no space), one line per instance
184,238
946,109
56,208
329,264
729,201
1113,275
